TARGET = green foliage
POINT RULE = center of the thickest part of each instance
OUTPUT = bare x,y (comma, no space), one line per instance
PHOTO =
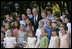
7,7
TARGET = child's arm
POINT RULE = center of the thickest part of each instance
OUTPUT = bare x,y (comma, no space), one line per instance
46,44
4,44
25,37
32,27
37,43
67,39
57,43
17,37
14,42
46,39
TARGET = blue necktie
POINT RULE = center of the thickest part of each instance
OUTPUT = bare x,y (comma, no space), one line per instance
35,20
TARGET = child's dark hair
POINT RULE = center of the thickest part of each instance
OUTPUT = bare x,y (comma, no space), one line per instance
56,30
57,15
68,17
31,31
49,10
2,33
59,20
65,27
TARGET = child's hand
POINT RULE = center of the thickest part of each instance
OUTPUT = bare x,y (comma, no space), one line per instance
14,44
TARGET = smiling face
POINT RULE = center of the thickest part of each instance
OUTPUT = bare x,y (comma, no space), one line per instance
62,30
9,33
22,28
2,35
66,20
43,32
48,22
23,16
27,21
41,23
34,11
7,26
54,33
43,14
28,11
54,24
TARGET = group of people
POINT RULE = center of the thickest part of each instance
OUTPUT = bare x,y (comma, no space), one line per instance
32,30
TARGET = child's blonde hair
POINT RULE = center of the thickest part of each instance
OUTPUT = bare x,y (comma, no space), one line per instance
41,22
49,20
44,30
10,32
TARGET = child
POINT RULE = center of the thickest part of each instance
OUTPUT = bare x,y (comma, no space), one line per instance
62,24
23,21
68,24
48,27
9,41
64,39
44,39
63,15
44,16
31,40
2,39
56,16
3,29
16,28
50,15
21,36
54,24
67,21
7,27
8,18
29,26
38,33
54,42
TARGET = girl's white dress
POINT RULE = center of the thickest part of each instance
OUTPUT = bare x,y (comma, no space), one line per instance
53,43
9,41
31,42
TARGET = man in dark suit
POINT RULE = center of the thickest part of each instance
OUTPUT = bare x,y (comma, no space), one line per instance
35,19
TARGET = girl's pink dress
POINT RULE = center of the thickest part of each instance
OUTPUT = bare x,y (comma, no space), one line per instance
15,32
64,41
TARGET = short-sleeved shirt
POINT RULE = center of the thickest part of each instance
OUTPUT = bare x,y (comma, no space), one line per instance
43,42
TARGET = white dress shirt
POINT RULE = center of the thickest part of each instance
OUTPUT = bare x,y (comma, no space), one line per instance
35,17
30,16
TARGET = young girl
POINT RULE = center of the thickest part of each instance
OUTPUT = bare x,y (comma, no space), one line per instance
3,29
7,27
28,26
64,39
54,42
15,30
31,40
48,27
62,24
8,18
38,33
63,15
43,14
2,39
9,41
21,36
44,39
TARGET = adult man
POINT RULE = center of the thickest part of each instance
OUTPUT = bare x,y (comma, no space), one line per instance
35,18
